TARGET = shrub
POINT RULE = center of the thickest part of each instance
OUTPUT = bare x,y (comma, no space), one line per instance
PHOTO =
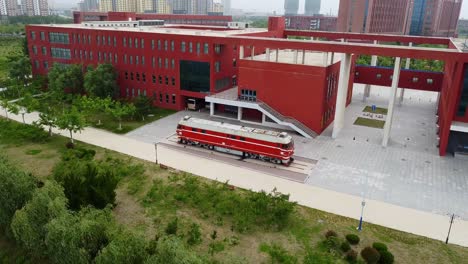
124,248
278,254
351,256
370,255
79,153
380,246
345,247
353,239
194,235
331,233
386,257
16,133
170,250
172,227
70,145
87,183
332,244
215,247
232,241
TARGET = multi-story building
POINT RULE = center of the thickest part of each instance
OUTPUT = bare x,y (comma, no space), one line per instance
9,8
226,7
88,6
162,7
107,5
254,75
321,23
203,7
35,7
3,9
183,6
435,18
291,7
312,7
374,16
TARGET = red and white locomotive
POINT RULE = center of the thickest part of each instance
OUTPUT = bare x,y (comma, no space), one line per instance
254,143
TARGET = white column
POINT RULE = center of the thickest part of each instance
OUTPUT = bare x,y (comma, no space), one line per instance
241,52
407,66
253,52
303,56
325,59
239,113
332,57
268,54
295,57
343,84
212,106
277,55
263,118
367,88
391,104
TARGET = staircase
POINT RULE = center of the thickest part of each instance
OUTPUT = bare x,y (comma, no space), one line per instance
286,121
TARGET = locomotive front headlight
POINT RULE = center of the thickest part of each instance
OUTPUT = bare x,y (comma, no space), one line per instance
180,133
282,153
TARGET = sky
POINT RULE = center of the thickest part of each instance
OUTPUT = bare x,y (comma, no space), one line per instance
266,5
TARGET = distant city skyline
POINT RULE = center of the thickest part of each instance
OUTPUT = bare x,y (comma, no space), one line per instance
328,6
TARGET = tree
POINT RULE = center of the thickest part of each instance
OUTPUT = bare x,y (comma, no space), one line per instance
119,110
78,237
9,107
124,248
64,79
29,223
87,182
29,104
194,235
16,188
20,69
71,120
94,105
49,120
142,106
102,81
170,250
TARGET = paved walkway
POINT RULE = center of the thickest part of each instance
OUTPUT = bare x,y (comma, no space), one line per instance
383,214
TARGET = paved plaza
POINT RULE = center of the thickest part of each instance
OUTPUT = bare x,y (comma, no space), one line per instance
408,173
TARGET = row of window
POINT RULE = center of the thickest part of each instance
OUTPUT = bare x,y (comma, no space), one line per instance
59,53
155,79
60,38
155,95
327,115
248,95
332,85
44,63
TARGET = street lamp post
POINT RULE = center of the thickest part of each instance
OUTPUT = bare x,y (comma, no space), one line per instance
363,204
452,218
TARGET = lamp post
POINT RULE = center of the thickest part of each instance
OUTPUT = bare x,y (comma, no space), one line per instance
363,204
452,218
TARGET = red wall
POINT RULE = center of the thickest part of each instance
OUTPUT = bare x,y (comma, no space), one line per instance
292,90
368,75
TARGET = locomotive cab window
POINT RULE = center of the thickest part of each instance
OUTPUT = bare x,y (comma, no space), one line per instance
242,138
179,127
203,131
194,129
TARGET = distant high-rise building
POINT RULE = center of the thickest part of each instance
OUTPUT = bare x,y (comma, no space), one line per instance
35,7
203,7
183,6
88,6
162,6
435,18
226,7
142,6
291,7
374,16
312,7
107,5
3,8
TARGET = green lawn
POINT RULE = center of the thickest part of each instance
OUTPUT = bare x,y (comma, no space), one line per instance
146,203
129,124
378,110
360,121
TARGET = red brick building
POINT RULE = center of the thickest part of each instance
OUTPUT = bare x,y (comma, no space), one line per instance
317,22
254,75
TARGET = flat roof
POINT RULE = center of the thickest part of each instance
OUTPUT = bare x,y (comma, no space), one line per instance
166,29
311,58
462,44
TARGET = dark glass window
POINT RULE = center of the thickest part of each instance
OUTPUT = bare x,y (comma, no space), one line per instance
464,95
195,76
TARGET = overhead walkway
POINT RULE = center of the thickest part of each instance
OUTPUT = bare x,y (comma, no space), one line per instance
230,97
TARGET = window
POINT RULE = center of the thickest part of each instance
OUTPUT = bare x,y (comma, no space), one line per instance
115,42
165,45
166,63
173,81
173,99
154,78
103,40
159,44
173,64
136,43
125,58
167,98
160,79
152,44
142,60
129,42
133,92
143,76
46,65
160,97
138,76
217,66
98,40
142,42
115,57
91,56
183,46
139,93
190,47
430,81
198,48
127,92
109,41
125,42
137,60
131,59
60,53
131,76
60,38
36,64
126,75
42,36
33,36
379,76
234,63
105,56
167,80
248,95
172,45
144,93
153,61
89,39
217,49
206,48
35,50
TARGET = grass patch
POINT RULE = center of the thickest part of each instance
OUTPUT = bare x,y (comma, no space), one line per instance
378,110
33,152
360,121
148,200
